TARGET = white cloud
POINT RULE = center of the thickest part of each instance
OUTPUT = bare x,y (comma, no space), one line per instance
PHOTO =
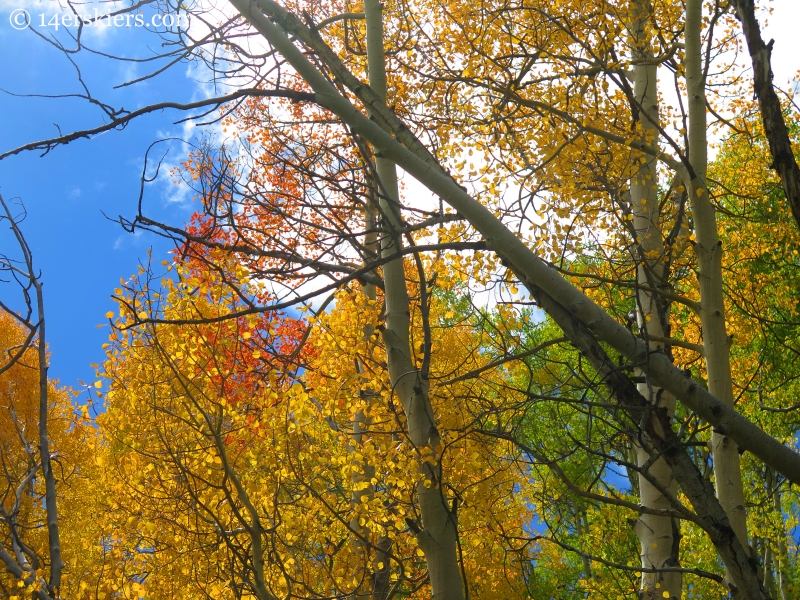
126,239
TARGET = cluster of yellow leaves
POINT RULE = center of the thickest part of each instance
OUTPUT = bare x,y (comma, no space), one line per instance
72,450
223,483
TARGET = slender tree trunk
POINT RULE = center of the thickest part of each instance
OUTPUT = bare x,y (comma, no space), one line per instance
438,531
782,560
580,516
656,534
708,250
375,580
363,473
51,511
381,568
769,579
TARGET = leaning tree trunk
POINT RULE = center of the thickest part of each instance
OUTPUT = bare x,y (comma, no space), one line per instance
581,319
708,250
438,532
658,536
394,140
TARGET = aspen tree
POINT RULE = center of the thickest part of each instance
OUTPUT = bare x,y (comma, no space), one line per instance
658,536
361,421
708,250
437,532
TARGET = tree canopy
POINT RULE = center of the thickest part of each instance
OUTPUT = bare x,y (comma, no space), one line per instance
559,363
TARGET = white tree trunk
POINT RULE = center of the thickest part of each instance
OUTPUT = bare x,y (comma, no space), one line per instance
782,559
437,536
364,473
657,535
708,250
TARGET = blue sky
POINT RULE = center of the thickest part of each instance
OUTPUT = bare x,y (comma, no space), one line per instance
81,254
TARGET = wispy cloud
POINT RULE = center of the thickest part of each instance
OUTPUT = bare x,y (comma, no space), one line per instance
127,240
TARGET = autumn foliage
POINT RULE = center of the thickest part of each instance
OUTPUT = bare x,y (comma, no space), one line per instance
337,387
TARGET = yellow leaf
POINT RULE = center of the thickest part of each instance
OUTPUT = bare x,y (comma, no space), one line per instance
110,314
98,384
